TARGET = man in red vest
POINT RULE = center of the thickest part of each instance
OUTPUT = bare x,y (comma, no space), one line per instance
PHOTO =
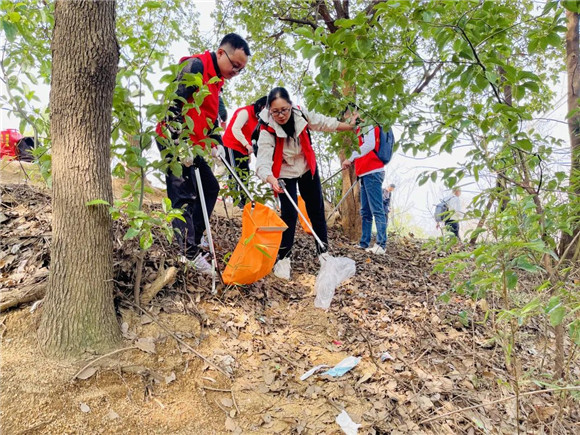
238,139
371,172
214,67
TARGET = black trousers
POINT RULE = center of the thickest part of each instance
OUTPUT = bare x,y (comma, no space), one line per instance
311,192
453,226
183,193
241,164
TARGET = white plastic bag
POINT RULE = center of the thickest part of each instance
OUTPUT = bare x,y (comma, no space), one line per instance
333,271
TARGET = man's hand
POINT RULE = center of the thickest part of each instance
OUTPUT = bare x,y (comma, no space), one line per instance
346,164
218,151
250,149
274,183
187,161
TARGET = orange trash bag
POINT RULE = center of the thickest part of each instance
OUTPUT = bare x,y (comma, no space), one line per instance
256,252
302,207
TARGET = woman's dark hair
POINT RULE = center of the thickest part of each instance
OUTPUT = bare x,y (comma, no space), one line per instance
278,93
260,104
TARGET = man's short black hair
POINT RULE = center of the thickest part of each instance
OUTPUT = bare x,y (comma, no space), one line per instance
236,42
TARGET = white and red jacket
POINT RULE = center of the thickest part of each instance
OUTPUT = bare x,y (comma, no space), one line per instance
243,121
289,157
366,160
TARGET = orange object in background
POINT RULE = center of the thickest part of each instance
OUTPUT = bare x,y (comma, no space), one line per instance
256,252
302,207
8,142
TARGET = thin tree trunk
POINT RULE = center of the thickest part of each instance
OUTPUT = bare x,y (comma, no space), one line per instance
78,313
573,68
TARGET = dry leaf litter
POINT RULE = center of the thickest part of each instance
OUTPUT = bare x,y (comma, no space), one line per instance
417,358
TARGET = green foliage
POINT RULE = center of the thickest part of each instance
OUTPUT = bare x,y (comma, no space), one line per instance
142,223
25,67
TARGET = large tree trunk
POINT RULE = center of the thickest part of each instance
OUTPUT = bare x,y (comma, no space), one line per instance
78,312
350,218
573,68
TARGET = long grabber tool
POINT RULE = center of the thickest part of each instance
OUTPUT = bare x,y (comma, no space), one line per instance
214,263
332,176
237,178
342,199
304,218
333,270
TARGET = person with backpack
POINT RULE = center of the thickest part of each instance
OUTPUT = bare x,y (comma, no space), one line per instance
452,213
215,67
285,152
370,170
238,140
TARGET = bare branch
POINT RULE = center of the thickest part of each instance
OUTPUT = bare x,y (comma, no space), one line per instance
325,14
427,79
297,21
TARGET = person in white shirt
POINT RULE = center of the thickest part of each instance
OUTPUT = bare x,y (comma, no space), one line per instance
285,152
237,140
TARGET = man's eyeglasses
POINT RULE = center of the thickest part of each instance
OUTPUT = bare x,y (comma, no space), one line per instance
280,112
236,69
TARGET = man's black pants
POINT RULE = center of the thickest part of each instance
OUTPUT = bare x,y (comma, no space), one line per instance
183,192
453,226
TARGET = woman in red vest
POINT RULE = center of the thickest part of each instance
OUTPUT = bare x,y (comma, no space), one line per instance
227,62
285,152
237,139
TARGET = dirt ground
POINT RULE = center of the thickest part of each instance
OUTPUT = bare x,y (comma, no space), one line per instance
232,362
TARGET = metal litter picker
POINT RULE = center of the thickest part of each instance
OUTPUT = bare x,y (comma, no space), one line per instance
333,270
342,199
214,269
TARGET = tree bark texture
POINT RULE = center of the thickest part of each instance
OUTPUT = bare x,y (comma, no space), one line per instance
350,218
573,69
78,313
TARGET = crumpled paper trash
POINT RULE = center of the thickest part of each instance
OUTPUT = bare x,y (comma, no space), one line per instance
348,426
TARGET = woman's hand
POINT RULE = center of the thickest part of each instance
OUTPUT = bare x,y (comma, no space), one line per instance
274,183
352,121
351,124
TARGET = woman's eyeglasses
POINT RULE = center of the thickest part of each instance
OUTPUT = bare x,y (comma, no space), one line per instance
280,112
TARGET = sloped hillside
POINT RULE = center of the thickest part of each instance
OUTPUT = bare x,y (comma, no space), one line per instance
231,363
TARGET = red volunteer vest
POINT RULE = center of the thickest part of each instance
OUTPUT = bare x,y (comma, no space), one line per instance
370,161
305,144
230,140
210,106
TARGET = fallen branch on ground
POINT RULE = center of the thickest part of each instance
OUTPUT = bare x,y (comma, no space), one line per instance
15,298
179,340
505,399
100,358
164,278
